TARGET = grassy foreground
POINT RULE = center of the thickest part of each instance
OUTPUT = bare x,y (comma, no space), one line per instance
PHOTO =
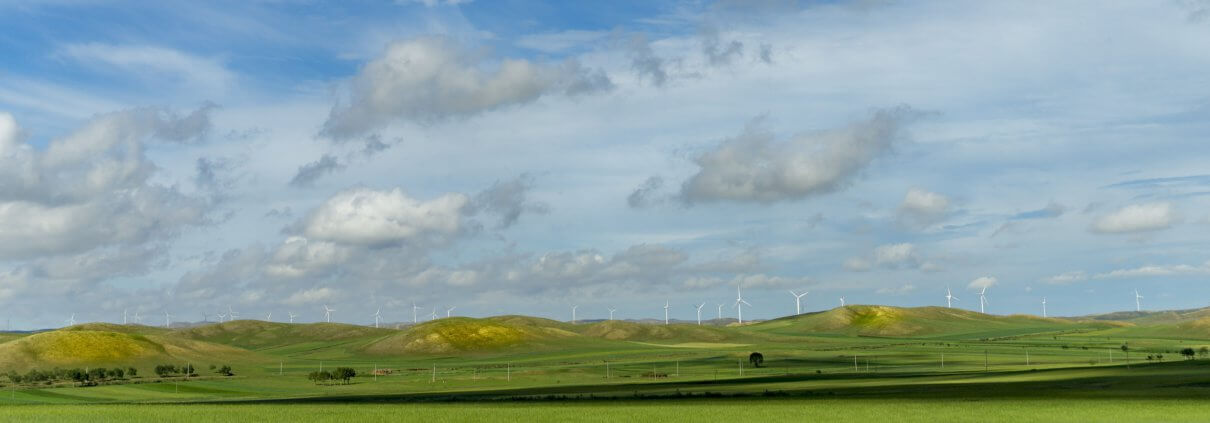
900,410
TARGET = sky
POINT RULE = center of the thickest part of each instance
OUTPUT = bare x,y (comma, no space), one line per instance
521,157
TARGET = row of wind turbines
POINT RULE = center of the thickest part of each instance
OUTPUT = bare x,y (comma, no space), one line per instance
230,314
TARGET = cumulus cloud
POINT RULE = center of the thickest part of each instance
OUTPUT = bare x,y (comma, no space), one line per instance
982,282
646,63
891,256
754,167
427,80
717,52
92,188
508,200
370,217
1136,218
921,207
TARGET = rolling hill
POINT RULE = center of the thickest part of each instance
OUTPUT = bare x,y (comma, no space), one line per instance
256,334
872,320
470,335
84,346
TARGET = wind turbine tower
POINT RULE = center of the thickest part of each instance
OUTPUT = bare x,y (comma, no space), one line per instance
982,299
699,313
798,301
449,310
720,311
167,320
739,304
573,313
414,310
123,316
328,313
377,317
611,310
1137,297
433,315
71,321
666,305
1043,306
292,316
949,298
842,301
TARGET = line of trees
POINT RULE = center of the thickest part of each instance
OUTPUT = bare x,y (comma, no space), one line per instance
82,376
343,374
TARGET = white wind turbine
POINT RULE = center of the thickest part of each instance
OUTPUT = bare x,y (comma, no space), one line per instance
739,304
231,313
720,311
798,301
221,316
167,320
449,310
414,310
982,299
573,313
842,301
699,313
71,321
328,313
949,298
123,316
1043,306
611,310
137,319
1137,297
292,316
269,316
666,305
433,315
377,317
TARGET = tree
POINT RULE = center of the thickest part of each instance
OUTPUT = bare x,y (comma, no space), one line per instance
188,370
756,359
132,372
320,376
97,373
1189,353
344,374
225,370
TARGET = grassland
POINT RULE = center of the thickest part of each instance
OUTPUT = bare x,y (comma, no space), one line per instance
869,361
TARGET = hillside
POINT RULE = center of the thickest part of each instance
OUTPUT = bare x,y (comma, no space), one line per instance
1154,317
920,321
81,346
464,334
629,331
256,334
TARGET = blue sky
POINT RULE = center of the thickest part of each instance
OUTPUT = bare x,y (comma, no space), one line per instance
523,156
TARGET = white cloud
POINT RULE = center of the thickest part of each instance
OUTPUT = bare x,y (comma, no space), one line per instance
1156,270
199,72
921,207
310,296
895,254
857,264
368,217
1136,218
430,79
754,167
1067,277
982,282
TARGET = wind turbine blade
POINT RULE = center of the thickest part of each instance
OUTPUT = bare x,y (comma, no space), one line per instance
745,303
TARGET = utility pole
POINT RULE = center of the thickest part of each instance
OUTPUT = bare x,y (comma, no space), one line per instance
1026,357
606,370
855,363
508,372
985,361
280,367
434,379
942,360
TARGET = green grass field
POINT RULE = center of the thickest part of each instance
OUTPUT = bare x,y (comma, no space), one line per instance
851,363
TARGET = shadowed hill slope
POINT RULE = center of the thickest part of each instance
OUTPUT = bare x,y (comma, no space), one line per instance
256,334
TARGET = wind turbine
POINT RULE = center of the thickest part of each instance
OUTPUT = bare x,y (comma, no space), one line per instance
949,298
292,316
449,310
231,313
1043,306
798,301
414,309
71,321
269,316
720,311
377,317
167,320
699,313
666,305
1137,297
328,313
611,310
433,315
982,299
842,301
123,316
221,316
739,304
573,313
137,319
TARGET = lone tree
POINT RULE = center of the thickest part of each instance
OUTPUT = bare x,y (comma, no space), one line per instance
1188,353
756,359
